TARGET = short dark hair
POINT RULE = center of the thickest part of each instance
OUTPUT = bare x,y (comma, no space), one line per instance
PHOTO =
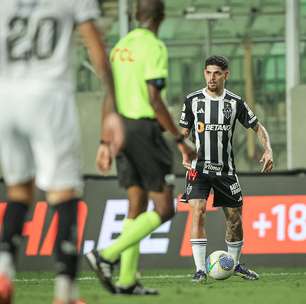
147,9
219,61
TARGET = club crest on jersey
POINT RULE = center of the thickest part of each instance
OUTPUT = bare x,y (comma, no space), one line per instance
188,189
227,110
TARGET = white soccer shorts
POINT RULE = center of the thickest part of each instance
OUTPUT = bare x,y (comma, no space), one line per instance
39,136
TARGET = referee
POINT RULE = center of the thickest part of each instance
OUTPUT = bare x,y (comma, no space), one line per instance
139,63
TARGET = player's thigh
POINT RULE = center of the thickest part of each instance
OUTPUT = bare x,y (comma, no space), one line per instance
198,206
56,144
16,159
15,148
227,191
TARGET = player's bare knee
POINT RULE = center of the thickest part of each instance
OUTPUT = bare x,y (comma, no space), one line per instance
197,208
23,193
57,197
166,213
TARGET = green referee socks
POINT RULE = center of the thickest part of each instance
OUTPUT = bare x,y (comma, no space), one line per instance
142,226
129,260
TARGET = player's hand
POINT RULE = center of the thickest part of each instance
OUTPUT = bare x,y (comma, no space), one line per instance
104,158
113,133
113,136
188,153
267,161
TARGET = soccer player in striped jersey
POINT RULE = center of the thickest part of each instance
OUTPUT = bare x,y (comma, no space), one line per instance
212,113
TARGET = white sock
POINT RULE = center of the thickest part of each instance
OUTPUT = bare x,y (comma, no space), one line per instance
7,265
199,253
63,288
234,249
75,293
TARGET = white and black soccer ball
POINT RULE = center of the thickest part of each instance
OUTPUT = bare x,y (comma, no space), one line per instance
220,265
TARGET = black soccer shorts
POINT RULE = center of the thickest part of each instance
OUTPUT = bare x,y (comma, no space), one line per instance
226,188
146,160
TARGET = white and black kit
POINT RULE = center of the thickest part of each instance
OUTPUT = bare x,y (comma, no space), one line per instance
213,121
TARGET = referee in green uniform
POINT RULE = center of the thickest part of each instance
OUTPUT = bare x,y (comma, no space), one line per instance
140,68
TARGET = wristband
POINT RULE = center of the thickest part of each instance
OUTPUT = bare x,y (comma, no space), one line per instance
103,142
180,139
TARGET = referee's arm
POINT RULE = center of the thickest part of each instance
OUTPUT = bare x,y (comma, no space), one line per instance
164,118
162,114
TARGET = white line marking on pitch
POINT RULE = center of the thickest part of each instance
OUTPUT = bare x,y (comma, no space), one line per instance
167,276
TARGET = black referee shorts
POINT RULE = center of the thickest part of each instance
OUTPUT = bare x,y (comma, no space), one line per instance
227,191
146,160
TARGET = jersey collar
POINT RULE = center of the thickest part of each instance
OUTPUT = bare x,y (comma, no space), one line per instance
221,97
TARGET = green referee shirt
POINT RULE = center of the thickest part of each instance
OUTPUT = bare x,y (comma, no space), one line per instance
136,58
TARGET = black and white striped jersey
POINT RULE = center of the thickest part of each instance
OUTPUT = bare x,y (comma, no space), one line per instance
213,120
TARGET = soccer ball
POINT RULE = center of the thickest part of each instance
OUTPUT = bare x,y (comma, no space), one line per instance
220,265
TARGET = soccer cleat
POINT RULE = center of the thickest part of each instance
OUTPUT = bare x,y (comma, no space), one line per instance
136,290
183,198
245,273
199,276
102,268
6,290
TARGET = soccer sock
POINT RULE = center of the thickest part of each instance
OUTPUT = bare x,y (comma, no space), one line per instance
11,234
66,241
234,249
199,253
12,226
75,292
143,225
129,260
63,286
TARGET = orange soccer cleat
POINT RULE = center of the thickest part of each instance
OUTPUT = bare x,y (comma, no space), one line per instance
6,290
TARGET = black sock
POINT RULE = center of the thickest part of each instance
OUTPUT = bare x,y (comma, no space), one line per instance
66,241
12,226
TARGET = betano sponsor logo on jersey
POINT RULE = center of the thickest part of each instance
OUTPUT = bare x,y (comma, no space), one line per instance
201,127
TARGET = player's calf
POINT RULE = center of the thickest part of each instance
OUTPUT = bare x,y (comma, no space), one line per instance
12,227
66,251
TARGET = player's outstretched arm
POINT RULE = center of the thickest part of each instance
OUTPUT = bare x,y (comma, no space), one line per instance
164,118
267,157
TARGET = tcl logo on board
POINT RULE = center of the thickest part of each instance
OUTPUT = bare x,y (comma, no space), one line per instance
272,224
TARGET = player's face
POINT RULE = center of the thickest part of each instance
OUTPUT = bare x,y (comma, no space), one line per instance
215,77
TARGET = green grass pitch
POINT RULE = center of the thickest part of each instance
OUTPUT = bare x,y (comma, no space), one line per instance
276,285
